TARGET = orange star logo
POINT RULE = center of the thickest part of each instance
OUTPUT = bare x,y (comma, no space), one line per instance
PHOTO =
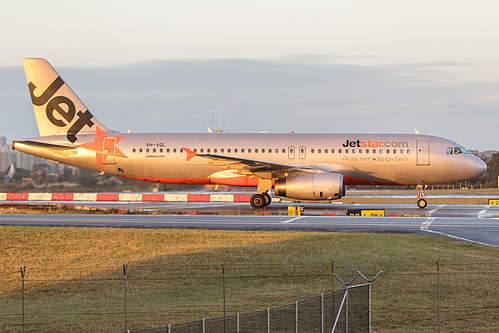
104,146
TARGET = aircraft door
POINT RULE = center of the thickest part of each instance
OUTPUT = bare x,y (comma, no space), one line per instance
303,152
109,151
423,152
291,152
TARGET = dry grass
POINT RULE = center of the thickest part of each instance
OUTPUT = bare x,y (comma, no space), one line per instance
75,276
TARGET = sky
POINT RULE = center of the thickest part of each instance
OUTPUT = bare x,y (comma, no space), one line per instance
275,66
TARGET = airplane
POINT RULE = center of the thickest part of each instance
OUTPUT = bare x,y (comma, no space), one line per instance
313,166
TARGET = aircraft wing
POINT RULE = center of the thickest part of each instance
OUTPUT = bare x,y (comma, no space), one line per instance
262,169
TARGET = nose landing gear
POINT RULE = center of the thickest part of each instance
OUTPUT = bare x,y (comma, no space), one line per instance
421,202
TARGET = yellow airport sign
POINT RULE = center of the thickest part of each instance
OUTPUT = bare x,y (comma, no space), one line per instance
365,212
494,202
295,211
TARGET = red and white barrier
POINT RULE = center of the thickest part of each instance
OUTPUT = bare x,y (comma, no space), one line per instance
125,197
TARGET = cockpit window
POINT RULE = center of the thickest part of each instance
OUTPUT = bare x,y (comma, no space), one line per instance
456,150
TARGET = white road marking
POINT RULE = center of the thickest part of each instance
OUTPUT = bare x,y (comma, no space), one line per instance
483,211
293,219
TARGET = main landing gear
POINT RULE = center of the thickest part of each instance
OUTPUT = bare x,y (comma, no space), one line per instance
262,198
421,202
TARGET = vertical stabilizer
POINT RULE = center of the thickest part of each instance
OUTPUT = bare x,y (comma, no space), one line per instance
58,110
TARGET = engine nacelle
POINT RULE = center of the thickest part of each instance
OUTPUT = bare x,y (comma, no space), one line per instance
320,186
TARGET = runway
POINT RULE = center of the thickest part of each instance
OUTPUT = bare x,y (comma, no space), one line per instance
471,223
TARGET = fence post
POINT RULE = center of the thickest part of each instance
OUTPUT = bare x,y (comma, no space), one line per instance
223,273
346,311
237,329
296,316
333,264
268,320
322,312
23,275
438,291
125,266
370,313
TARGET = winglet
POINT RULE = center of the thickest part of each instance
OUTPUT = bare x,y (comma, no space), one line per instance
190,153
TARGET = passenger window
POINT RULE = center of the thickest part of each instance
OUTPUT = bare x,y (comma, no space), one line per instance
332,151
325,151
133,150
208,150
367,151
312,150
140,150
270,150
381,151
395,151
195,150
181,150
388,151
346,151
167,150
353,151
201,150
154,150
147,150
228,150
319,151
222,150
160,150
277,150
401,151
256,150
450,150
360,151
339,151
283,150
215,150
249,150
408,151
174,150
235,150
242,150
374,151
302,151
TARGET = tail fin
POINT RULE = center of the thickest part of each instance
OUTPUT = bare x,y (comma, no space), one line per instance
58,110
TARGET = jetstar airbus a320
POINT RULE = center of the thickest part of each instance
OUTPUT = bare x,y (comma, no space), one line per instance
301,166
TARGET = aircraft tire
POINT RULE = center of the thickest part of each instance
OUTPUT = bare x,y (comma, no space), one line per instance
268,199
258,201
422,203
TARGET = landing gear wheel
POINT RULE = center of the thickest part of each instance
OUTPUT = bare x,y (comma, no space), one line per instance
422,203
258,201
268,199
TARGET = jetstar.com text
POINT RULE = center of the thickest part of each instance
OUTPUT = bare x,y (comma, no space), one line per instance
376,144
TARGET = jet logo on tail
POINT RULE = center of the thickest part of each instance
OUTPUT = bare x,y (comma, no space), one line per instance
63,106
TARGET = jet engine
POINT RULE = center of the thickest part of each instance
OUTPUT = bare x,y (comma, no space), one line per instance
319,186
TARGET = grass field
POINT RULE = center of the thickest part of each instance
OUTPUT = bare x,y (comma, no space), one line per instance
75,276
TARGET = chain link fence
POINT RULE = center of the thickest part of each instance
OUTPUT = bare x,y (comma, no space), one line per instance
448,298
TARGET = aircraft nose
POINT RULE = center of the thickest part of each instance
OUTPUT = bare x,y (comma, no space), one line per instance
479,167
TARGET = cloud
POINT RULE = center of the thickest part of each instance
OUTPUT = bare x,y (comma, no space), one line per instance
304,94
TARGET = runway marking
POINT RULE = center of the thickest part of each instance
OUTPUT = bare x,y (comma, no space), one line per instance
293,219
426,224
434,210
482,212
459,238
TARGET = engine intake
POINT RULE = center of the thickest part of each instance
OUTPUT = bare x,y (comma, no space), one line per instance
319,186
